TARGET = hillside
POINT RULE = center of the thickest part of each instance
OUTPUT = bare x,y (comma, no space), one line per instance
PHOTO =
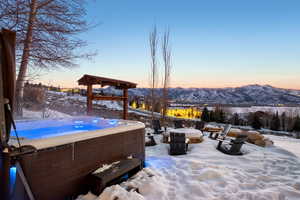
250,94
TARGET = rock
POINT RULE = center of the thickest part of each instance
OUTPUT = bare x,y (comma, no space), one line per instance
254,137
266,142
259,143
194,140
234,132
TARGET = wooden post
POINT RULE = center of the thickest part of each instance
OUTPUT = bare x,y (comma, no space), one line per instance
125,103
4,175
2,112
7,89
8,79
89,96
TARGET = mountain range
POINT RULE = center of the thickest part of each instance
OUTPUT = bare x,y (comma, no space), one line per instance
250,94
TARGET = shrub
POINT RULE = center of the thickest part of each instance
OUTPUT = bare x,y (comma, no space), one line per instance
34,97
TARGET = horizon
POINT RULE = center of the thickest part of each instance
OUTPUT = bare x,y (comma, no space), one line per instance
97,86
214,44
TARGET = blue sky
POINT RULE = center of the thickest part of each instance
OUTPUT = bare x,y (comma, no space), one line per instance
215,43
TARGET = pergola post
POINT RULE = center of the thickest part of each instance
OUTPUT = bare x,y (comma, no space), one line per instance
89,95
125,103
89,81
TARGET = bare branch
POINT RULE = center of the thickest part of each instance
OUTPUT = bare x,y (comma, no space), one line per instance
46,33
153,40
166,54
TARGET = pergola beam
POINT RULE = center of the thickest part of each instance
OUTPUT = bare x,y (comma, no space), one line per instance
108,98
90,80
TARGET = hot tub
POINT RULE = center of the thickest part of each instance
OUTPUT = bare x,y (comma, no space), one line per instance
67,150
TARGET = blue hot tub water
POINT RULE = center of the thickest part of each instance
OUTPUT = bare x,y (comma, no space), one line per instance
51,128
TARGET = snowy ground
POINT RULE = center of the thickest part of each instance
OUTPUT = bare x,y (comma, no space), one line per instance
291,144
205,173
271,173
113,105
48,113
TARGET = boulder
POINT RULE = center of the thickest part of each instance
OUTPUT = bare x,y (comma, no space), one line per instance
234,132
266,142
254,137
259,143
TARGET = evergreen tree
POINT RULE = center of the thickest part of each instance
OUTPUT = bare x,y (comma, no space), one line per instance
236,119
275,123
205,115
212,117
217,116
267,123
296,126
256,121
221,116
283,119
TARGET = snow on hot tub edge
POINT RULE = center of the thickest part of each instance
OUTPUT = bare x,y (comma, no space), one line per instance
43,143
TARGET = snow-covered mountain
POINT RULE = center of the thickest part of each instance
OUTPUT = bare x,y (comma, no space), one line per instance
250,94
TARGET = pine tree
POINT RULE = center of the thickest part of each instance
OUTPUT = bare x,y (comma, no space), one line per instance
236,119
296,126
212,117
283,119
217,115
256,121
205,115
221,116
275,123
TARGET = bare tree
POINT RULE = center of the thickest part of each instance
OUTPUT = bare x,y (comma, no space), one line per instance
46,34
166,54
153,40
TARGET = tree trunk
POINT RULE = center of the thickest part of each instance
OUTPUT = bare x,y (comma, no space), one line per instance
166,54
25,59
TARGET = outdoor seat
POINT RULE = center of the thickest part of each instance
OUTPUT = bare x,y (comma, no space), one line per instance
97,182
178,124
223,134
156,126
151,141
178,143
234,147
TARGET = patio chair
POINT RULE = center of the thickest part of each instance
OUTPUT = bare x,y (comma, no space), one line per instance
178,124
223,134
178,144
156,126
235,145
151,141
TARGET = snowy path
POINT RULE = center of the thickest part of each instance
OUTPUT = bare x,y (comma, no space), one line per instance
288,143
208,174
205,173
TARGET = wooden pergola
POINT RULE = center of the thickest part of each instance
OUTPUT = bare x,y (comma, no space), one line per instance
90,80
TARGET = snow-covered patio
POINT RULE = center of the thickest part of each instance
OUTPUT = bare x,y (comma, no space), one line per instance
270,173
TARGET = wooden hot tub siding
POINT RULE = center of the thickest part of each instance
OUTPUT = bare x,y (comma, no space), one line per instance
59,172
